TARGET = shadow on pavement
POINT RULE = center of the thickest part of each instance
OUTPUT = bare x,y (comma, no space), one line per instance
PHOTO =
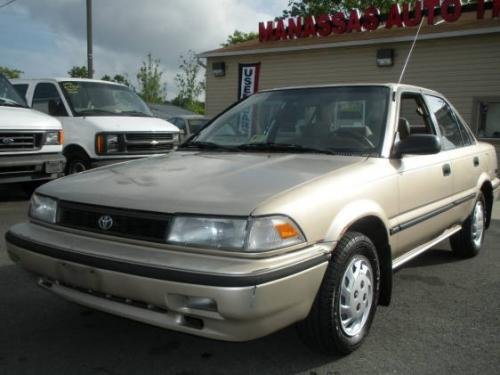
15,192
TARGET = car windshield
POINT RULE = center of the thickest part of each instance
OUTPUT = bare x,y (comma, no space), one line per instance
8,95
195,125
103,99
337,120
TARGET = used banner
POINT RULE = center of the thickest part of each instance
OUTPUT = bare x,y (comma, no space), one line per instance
248,79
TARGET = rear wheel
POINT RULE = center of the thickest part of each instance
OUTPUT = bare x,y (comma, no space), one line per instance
468,242
344,308
77,161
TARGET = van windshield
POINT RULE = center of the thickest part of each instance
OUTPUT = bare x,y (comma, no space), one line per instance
336,120
103,99
8,95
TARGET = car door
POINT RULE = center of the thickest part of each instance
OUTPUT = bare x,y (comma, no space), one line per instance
465,161
425,182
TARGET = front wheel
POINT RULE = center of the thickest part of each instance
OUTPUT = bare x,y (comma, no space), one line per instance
468,241
344,308
77,162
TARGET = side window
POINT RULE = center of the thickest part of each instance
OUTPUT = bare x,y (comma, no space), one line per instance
448,125
46,99
465,131
21,89
413,116
179,123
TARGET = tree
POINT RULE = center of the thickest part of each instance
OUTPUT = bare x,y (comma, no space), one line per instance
238,37
189,83
118,78
10,73
315,7
78,72
149,76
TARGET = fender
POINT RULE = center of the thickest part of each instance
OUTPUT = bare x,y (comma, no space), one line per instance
351,213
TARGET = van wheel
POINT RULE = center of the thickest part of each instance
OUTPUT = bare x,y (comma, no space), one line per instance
468,242
345,305
77,162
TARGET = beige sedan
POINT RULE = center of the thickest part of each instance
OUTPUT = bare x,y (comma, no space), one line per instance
293,206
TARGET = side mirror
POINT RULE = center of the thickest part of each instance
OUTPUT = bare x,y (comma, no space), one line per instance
418,144
56,108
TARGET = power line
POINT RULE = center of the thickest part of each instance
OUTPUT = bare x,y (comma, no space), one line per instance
7,3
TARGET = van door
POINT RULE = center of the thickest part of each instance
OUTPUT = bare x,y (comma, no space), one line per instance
425,181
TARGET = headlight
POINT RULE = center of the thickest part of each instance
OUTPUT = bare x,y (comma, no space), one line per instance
253,235
43,208
273,232
208,232
107,143
54,138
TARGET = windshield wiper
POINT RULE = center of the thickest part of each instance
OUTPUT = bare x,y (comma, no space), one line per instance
282,147
207,146
134,113
11,103
95,111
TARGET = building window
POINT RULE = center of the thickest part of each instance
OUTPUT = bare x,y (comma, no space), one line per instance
489,119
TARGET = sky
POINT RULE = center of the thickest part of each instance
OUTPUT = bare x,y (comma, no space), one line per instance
45,38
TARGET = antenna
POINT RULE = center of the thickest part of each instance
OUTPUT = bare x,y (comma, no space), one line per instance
410,52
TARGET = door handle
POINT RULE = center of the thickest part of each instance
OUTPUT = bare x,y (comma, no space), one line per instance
446,169
475,161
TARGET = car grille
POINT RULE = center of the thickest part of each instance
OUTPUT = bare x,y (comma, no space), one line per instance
148,143
147,226
20,141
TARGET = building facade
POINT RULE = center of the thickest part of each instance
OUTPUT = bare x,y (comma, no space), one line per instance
460,59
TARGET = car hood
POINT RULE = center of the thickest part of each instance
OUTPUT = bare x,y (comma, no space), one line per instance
196,182
18,118
129,124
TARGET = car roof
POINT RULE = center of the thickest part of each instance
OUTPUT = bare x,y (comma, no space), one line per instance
393,86
62,79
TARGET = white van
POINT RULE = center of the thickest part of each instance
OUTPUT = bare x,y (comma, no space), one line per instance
104,122
30,141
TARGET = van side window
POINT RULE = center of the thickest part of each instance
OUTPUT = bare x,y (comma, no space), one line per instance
46,99
451,136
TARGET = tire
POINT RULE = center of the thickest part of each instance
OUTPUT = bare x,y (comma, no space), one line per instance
323,329
76,162
468,241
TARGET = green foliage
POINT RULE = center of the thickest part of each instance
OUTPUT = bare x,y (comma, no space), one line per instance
315,7
194,106
238,37
10,73
118,78
189,83
149,76
78,72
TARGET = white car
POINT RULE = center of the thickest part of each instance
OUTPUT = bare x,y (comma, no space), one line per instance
104,122
30,141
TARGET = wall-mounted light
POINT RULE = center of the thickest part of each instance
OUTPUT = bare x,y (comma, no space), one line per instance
219,69
385,57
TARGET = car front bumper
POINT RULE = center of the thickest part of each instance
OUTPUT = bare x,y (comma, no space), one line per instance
31,167
227,299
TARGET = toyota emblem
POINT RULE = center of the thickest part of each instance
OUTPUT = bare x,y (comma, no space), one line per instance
7,141
105,222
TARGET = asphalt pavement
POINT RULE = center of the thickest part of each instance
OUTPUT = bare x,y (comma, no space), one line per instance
444,318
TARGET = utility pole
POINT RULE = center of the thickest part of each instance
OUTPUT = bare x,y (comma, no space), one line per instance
90,62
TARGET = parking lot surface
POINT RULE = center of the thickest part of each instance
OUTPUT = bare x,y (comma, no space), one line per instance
444,318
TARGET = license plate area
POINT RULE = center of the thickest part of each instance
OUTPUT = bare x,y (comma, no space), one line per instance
77,275
53,167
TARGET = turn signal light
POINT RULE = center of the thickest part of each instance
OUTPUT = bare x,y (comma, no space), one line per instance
61,137
286,230
100,144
